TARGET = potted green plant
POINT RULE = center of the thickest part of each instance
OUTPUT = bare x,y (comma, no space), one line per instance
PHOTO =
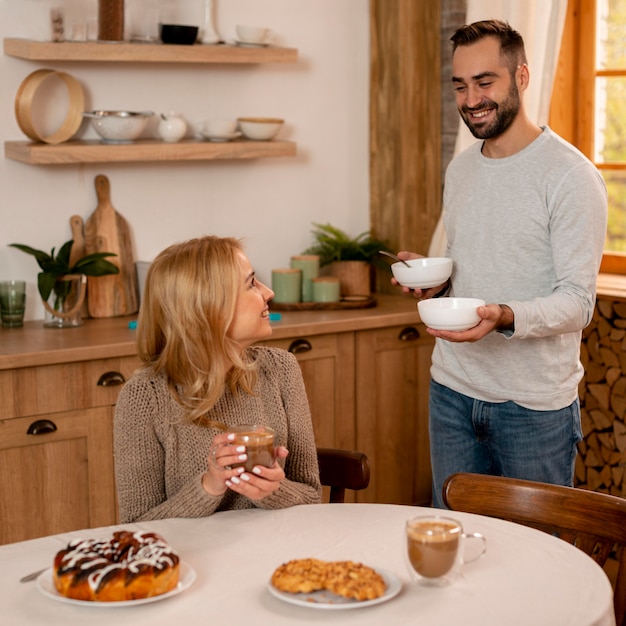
348,258
61,285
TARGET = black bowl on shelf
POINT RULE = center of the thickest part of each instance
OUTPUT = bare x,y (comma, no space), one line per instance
178,34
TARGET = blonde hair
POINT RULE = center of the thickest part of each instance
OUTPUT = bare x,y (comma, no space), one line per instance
188,306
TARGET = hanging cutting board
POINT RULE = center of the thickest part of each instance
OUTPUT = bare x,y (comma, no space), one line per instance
78,236
107,231
78,250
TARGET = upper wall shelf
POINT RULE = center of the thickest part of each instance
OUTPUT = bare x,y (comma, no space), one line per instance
125,52
94,151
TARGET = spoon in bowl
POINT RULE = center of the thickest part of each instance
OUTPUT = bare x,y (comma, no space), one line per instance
393,256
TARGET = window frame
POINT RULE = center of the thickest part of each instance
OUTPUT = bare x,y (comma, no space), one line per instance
572,106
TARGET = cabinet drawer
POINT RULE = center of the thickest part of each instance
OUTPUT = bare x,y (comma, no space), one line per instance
58,480
50,388
307,348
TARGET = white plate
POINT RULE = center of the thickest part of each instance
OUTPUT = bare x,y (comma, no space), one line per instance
45,584
326,600
221,138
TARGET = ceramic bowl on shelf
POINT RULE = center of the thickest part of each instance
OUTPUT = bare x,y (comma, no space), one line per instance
259,128
423,273
180,34
118,126
252,34
450,313
218,127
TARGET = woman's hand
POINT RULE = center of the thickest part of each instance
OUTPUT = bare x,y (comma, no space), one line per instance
222,456
262,481
220,474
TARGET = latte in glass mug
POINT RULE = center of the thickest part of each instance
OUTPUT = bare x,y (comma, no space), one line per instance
434,548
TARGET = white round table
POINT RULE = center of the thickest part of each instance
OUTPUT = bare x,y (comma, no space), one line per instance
525,578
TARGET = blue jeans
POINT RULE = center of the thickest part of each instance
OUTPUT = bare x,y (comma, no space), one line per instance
500,438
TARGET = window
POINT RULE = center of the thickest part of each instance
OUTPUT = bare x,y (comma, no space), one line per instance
589,104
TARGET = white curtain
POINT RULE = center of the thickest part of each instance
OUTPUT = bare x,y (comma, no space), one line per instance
541,23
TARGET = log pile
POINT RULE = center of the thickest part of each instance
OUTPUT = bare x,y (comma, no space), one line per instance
601,462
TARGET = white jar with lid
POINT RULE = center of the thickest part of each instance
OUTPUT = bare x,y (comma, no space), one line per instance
172,127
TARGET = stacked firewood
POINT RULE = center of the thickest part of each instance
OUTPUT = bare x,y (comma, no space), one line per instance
601,463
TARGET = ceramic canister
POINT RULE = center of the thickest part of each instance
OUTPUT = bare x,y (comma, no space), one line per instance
326,289
287,285
310,266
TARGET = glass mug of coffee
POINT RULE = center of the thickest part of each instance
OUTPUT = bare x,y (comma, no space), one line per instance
259,442
436,546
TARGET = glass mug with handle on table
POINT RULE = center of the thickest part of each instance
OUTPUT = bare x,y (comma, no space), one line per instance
437,548
259,442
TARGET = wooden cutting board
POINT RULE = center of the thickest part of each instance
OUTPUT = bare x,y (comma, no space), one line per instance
78,235
107,231
78,250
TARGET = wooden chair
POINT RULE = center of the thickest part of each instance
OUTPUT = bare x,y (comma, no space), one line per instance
341,470
592,521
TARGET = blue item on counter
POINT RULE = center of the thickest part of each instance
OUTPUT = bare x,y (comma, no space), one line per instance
275,317
132,324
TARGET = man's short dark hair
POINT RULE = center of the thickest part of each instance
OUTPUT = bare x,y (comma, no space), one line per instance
511,42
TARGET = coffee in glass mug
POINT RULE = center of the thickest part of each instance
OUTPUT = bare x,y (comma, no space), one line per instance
259,442
433,545
437,547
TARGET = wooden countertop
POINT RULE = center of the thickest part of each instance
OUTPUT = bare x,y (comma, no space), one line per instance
612,286
35,345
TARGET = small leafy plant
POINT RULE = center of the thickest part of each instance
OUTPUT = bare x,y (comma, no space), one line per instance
333,244
54,267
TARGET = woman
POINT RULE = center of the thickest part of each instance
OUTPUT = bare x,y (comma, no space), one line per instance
202,310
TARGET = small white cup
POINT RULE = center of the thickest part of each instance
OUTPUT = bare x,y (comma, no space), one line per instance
219,127
252,34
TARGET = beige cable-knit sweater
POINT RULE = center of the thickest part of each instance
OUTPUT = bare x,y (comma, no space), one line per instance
160,458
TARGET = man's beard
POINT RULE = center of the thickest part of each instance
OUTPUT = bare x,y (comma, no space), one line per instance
505,113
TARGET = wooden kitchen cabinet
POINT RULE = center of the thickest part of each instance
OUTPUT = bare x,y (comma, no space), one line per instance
365,370
56,446
368,390
327,364
392,381
57,481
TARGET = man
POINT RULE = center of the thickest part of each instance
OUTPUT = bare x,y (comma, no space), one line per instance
525,217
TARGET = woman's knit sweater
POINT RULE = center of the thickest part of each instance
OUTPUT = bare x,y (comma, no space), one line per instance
160,458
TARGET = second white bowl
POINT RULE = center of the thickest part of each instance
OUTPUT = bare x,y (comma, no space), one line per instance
450,313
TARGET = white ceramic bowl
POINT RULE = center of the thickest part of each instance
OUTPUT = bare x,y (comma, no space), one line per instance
252,34
450,313
259,128
118,126
423,273
218,127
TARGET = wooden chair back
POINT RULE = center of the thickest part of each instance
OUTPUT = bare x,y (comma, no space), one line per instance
341,470
592,521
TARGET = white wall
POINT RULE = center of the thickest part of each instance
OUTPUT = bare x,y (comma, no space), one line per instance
271,203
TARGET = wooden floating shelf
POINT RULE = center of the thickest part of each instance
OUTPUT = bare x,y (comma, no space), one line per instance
127,52
94,151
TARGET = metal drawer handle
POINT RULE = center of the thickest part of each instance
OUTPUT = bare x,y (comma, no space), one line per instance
410,333
41,427
111,379
300,345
